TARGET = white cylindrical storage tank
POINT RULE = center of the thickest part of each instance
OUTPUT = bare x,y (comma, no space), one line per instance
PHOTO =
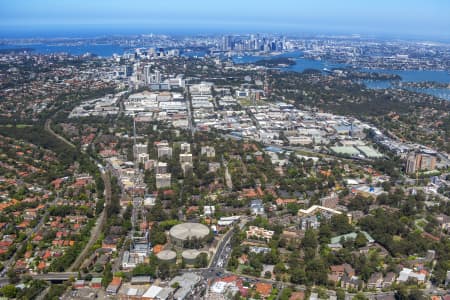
190,256
167,256
182,233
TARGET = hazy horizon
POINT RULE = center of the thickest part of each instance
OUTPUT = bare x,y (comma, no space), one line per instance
398,19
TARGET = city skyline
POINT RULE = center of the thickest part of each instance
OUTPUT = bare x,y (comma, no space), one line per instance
83,18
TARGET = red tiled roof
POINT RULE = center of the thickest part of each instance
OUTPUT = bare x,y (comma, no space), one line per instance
229,279
41,265
5,244
264,289
47,255
297,296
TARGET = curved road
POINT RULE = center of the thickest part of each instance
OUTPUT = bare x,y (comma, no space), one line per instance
48,127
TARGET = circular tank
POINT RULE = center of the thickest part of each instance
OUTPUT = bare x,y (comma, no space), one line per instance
190,256
167,256
187,231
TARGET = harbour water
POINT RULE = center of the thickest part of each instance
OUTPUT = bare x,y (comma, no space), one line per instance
406,75
414,76
301,63
103,50
443,93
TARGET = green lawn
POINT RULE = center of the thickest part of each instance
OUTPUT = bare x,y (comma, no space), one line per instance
17,125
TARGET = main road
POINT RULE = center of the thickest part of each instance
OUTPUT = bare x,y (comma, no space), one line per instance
220,258
52,276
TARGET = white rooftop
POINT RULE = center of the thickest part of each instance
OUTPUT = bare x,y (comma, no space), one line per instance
219,287
152,292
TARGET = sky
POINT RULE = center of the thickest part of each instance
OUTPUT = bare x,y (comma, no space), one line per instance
33,18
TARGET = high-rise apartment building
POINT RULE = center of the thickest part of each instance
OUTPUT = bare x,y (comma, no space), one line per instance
420,162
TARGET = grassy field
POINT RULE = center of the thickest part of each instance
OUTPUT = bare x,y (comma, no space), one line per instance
17,126
248,102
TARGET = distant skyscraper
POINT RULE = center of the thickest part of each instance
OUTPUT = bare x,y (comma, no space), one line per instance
147,73
226,43
128,70
155,77
151,77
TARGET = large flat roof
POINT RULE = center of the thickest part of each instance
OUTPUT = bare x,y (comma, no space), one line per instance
186,231
369,152
348,150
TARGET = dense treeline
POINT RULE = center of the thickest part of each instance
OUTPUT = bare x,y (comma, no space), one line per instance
391,232
66,155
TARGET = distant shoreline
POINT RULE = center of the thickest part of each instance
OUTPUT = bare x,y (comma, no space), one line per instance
16,50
